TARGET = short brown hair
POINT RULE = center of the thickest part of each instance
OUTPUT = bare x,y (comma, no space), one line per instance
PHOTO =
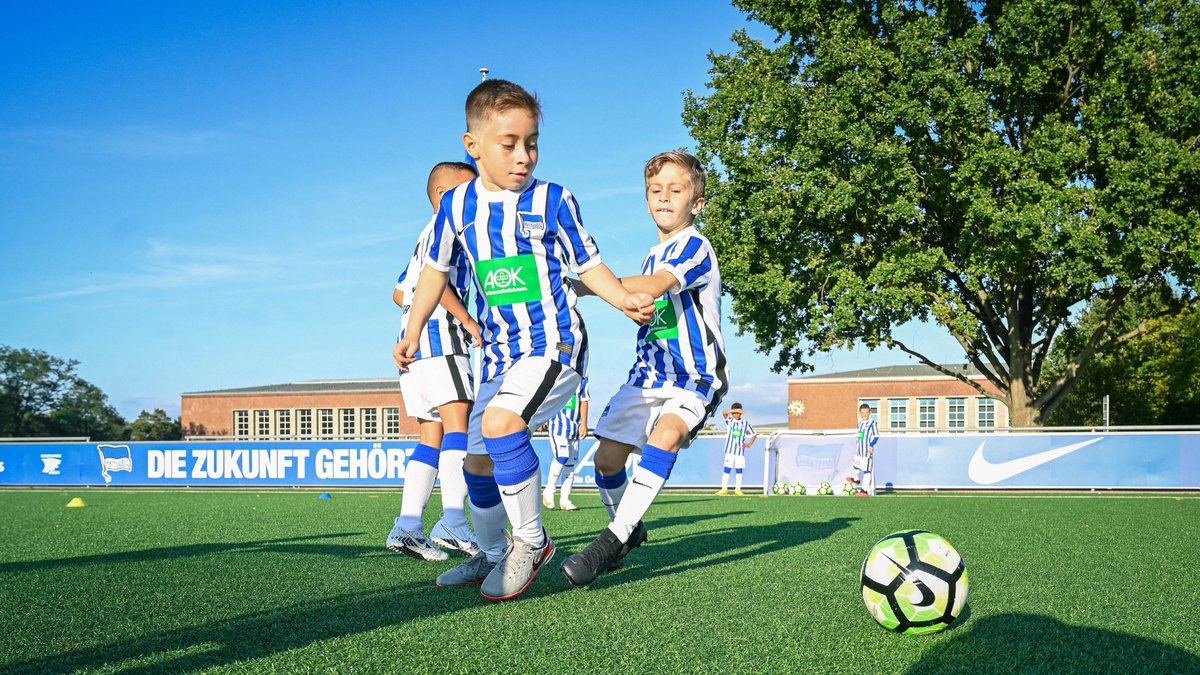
685,161
491,97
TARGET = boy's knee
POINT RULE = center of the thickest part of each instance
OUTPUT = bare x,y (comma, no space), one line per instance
498,422
610,459
478,465
669,433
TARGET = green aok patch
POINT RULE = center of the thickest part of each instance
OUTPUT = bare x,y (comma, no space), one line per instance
508,281
664,325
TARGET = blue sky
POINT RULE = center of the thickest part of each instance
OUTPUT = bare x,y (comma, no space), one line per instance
209,195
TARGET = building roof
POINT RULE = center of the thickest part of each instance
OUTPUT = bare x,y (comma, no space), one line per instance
391,384
914,372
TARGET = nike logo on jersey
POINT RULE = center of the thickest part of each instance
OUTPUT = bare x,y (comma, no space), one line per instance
984,472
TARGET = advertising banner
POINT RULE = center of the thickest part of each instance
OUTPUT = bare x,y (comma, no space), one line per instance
289,464
1016,460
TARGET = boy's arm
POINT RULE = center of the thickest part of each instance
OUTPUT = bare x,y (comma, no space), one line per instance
636,305
425,297
454,305
583,428
398,297
656,285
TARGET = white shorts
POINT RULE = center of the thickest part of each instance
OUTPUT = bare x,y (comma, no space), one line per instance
633,411
566,448
735,461
434,382
535,388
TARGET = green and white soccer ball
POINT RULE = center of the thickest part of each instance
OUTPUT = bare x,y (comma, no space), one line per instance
914,582
798,488
849,488
782,488
825,488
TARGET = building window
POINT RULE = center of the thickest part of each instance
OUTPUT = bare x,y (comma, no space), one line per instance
241,423
348,417
325,419
873,404
987,412
391,421
957,413
262,423
370,419
927,413
283,423
898,413
304,420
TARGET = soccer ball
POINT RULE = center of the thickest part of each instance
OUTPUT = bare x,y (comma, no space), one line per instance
914,582
825,488
782,488
849,488
798,488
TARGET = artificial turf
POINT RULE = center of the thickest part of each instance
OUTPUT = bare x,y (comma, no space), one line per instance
281,581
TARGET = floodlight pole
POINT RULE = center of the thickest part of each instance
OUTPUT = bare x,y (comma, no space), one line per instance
483,72
1106,412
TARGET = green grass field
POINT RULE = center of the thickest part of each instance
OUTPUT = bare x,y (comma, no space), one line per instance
284,582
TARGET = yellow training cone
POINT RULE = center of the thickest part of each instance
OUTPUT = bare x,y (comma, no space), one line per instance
76,503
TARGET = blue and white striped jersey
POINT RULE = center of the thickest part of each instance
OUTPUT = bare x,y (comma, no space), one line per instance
737,433
682,346
443,335
868,436
520,247
568,420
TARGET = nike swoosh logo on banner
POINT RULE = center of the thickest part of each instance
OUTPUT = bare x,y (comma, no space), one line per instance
984,472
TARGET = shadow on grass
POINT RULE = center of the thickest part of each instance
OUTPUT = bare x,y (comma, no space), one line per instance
307,544
666,554
1027,643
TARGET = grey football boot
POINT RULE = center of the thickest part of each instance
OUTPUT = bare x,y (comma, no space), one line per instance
470,573
517,569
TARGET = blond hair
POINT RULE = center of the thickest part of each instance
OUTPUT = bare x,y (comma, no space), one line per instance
492,97
683,160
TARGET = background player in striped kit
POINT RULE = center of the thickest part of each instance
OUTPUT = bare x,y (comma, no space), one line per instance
438,392
736,433
679,374
864,455
521,237
566,429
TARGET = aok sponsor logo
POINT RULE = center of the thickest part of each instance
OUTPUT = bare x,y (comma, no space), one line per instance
508,281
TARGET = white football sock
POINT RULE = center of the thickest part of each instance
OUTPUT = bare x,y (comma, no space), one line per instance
568,482
523,503
552,479
725,481
454,488
490,524
737,480
418,485
643,487
611,497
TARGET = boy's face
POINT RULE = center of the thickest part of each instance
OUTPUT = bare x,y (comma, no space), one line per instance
447,182
737,413
669,198
505,149
864,414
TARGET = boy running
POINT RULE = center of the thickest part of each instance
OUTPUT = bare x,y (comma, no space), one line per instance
679,375
438,391
566,429
736,444
520,237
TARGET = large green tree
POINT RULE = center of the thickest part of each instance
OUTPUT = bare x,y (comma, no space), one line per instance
42,395
991,167
155,426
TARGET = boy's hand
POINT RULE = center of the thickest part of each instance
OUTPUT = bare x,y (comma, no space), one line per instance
475,331
403,353
639,307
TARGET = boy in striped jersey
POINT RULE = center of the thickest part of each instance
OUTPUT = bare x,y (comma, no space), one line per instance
679,374
566,429
736,444
438,391
521,237
864,455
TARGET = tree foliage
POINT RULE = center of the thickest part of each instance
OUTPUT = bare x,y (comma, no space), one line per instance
1152,379
990,167
155,426
42,395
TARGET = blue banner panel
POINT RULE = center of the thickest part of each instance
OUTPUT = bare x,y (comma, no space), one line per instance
285,464
1033,460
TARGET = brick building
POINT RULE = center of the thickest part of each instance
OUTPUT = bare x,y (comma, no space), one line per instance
910,398
358,409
